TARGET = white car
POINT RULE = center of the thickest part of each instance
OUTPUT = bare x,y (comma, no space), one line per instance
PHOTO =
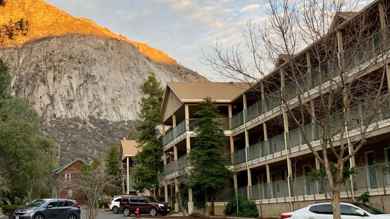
348,211
115,204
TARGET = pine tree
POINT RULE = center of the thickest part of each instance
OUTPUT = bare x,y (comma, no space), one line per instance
207,159
113,169
148,161
26,155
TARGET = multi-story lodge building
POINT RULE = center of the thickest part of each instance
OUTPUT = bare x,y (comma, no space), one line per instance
270,161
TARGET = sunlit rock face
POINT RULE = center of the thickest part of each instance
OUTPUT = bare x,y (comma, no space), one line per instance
46,20
82,79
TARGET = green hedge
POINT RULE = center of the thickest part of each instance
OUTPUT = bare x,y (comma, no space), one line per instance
246,208
9,209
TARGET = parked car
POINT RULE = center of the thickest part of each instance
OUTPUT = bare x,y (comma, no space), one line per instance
49,209
348,211
286,215
115,204
146,205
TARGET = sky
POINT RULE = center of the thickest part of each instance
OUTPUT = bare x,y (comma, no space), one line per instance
184,29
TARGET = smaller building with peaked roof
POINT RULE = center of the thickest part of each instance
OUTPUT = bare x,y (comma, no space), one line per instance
67,180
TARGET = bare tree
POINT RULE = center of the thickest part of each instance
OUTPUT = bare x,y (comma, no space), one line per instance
338,83
93,181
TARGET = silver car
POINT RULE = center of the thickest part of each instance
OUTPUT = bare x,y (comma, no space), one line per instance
49,209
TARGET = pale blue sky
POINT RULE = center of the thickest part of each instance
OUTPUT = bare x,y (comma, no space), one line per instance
184,29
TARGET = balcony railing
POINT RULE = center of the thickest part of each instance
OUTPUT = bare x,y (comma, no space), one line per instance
312,132
366,178
367,49
175,166
239,156
254,110
174,133
237,119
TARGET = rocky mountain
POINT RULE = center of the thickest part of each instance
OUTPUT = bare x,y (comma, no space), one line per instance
81,78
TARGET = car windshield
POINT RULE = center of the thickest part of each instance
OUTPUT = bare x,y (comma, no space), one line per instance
36,203
369,209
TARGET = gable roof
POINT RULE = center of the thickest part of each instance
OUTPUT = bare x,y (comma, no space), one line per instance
222,92
60,169
341,17
129,148
178,93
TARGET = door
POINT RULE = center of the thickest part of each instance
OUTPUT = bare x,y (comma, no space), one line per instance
52,211
371,170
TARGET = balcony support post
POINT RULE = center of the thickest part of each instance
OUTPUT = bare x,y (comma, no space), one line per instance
249,188
127,175
174,121
230,114
190,201
175,155
269,180
340,49
387,69
177,195
382,20
318,168
231,141
164,158
313,121
166,193
235,183
309,71
263,102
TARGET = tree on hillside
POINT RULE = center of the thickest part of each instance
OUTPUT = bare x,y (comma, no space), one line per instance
208,162
148,161
113,167
26,155
342,113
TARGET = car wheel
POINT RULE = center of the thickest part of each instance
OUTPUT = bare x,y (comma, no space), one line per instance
72,216
153,212
126,212
115,210
39,216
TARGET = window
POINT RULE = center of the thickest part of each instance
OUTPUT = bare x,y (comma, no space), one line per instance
349,210
69,203
68,176
321,209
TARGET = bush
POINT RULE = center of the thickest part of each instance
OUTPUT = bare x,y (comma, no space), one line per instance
246,208
9,209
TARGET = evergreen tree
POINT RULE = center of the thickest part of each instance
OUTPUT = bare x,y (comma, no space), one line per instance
26,155
148,161
207,159
113,169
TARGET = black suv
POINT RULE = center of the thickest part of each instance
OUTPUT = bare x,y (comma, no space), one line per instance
49,209
146,205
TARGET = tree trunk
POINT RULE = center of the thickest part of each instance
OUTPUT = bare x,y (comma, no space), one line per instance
336,203
212,210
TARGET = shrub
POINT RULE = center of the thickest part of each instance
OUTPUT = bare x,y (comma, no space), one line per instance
9,209
246,208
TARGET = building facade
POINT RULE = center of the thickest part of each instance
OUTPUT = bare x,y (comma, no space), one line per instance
68,181
271,160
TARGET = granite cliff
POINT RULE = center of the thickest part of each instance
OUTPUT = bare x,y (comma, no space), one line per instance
81,78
